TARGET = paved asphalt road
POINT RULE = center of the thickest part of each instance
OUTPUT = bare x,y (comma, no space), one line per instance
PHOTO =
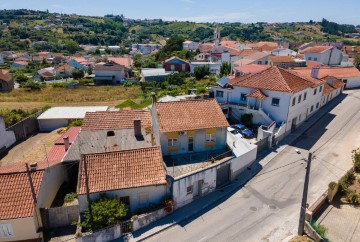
268,207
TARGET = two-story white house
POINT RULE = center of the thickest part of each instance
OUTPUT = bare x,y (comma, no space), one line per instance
274,94
328,55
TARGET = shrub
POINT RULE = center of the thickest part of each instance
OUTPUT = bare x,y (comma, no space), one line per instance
356,159
86,81
75,123
320,229
70,197
105,211
33,85
77,74
332,185
201,71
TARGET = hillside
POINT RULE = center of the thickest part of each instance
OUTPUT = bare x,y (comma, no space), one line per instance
37,30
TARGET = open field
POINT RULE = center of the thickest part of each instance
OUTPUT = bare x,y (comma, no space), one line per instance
92,95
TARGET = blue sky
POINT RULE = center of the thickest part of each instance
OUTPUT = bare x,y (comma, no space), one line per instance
345,11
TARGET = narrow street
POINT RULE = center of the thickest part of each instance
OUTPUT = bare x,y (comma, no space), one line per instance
267,208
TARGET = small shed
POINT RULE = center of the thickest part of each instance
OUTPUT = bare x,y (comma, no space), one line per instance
58,117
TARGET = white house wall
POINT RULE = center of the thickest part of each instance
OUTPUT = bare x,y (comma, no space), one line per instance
119,75
335,59
48,125
7,138
155,195
199,142
22,228
352,82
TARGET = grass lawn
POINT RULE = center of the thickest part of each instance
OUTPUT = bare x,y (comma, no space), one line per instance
90,95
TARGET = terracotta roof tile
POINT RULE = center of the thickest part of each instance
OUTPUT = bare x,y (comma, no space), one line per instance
174,57
4,76
122,170
251,68
72,133
337,72
331,84
190,115
15,194
276,79
278,59
258,94
124,61
123,119
317,49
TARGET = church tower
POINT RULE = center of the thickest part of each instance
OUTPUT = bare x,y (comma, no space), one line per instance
217,36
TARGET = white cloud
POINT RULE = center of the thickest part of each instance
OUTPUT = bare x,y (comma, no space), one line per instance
228,17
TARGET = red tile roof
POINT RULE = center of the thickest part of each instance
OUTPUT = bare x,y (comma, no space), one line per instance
15,194
338,72
124,61
72,133
258,94
122,170
313,63
331,84
276,79
123,119
4,76
65,67
317,49
251,68
277,59
190,115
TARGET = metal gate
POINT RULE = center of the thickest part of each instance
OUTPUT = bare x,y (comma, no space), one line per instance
222,175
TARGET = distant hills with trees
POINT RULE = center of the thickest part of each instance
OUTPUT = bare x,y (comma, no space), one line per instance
43,31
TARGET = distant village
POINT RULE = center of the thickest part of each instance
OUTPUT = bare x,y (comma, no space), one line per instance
160,158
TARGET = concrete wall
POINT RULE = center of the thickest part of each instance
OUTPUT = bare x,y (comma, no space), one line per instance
155,195
104,235
48,125
62,216
352,82
119,75
241,162
146,219
199,142
53,178
25,127
7,137
22,229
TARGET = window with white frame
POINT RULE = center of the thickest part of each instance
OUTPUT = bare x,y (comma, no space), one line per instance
275,102
210,137
172,142
315,91
219,94
320,88
305,96
6,231
293,101
299,99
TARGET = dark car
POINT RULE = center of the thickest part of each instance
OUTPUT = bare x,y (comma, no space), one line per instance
247,133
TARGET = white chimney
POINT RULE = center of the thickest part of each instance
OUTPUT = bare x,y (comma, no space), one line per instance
66,143
315,72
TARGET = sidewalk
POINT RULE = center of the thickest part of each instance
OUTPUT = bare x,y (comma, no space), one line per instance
207,202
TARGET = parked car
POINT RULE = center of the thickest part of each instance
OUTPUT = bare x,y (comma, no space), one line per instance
234,131
245,132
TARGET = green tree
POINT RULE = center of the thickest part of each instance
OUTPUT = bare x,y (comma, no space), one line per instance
33,85
89,70
21,78
77,74
201,71
105,211
72,46
175,79
357,62
225,69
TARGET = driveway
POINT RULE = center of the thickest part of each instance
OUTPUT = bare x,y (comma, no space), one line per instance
267,208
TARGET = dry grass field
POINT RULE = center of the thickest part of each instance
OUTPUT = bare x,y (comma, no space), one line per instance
90,95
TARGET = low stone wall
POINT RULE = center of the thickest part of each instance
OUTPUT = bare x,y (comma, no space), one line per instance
25,127
146,219
104,235
312,233
316,206
62,216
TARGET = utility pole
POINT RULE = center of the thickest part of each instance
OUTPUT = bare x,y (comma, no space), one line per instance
304,197
87,189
